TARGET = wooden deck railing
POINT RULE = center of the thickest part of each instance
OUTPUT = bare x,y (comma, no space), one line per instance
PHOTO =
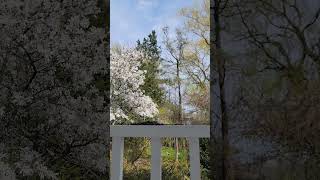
156,132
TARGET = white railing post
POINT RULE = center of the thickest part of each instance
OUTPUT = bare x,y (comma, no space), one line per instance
194,153
117,158
155,158
192,132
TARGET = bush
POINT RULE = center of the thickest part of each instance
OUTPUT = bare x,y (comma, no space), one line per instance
136,148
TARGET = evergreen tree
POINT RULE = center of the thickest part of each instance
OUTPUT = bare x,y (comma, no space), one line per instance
152,83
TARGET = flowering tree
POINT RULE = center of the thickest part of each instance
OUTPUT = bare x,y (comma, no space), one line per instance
127,98
53,117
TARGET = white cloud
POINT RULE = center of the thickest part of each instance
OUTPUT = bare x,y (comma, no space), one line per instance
133,20
146,4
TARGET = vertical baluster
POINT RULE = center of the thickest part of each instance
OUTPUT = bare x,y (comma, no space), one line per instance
156,158
194,153
117,158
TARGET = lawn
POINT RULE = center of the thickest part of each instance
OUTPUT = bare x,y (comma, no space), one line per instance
171,170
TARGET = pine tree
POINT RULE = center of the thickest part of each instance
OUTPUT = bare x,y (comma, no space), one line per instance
152,83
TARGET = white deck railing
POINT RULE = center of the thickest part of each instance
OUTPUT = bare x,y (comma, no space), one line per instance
192,132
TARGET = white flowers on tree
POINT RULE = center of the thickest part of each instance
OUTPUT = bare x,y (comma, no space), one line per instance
126,79
52,115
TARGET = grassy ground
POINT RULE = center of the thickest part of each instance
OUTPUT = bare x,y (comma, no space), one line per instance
170,169
168,153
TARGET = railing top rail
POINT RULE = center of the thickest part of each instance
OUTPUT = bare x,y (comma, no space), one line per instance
200,131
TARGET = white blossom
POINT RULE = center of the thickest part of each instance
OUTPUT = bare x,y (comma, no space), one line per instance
126,80
49,104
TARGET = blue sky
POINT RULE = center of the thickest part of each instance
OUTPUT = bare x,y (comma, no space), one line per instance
135,19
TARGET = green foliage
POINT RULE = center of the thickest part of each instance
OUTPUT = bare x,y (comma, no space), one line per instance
168,153
175,171
171,169
136,148
152,83
204,153
168,112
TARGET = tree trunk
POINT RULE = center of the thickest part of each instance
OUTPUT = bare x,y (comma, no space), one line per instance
219,141
179,110
176,144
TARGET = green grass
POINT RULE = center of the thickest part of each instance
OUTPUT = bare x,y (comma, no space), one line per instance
170,169
168,153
